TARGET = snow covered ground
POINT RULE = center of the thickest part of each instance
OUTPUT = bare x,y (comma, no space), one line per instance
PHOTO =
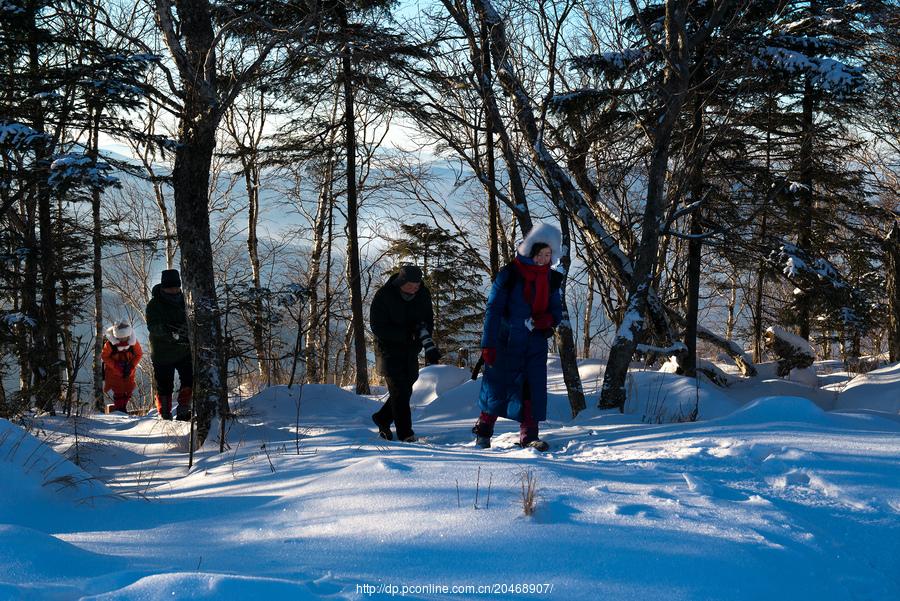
779,491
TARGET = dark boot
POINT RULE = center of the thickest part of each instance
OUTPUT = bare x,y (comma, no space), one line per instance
528,437
164,406
183,413
384,429
484,429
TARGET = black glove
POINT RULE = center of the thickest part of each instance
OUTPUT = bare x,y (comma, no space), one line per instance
126,369
432,355
546,332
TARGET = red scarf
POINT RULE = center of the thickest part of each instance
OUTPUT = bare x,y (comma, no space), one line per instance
536,286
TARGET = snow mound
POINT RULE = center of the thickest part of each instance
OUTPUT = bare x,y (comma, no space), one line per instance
777,409
878,390
804,375
456,403
28,555
214,586
43,478
276,406
435,380
661,397
756,388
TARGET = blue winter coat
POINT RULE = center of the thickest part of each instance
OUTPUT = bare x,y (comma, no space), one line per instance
521,353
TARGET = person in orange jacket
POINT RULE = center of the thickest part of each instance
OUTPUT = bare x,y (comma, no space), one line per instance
121,354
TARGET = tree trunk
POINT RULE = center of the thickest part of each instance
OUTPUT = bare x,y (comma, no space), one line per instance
588,312
50,388
259,321
697,141
191,183
345,349
493,208
322,214
356,302
674,91
805,221
695,243
731,320
197,126
695,249
326,309
758,342
892,289
98,273
27,339
757,312
47,371
568,355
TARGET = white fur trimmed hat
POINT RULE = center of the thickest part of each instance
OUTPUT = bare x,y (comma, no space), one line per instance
122,329
545,233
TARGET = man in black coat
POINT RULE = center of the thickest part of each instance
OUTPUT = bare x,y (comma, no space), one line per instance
170,348
402,320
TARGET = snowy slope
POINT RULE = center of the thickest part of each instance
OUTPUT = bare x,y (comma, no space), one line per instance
878,390
769,497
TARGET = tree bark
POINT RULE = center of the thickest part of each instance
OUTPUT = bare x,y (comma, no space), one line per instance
356,303
98,271
326,321
568,354
892,289
588,312
251,179
695,242
197,127
805,221
322,215
47,371
493,208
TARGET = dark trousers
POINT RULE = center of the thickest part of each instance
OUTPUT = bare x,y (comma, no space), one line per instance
164,375
399,380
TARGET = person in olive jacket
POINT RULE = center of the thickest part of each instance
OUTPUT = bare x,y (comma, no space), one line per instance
402,320
170,348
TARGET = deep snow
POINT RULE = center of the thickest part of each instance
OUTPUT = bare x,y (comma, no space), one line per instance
779,491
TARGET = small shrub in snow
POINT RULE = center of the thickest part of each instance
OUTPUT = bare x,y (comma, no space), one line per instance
529,492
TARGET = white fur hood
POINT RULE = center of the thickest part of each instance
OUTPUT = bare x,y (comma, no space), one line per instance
546,233
114,341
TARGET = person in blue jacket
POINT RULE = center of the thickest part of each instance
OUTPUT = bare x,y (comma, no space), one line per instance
523,308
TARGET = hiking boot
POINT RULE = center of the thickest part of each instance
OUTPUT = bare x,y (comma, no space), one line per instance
482,434
182,416
384,431
537,444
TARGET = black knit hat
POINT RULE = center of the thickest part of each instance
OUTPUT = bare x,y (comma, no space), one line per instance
409,274
170,279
